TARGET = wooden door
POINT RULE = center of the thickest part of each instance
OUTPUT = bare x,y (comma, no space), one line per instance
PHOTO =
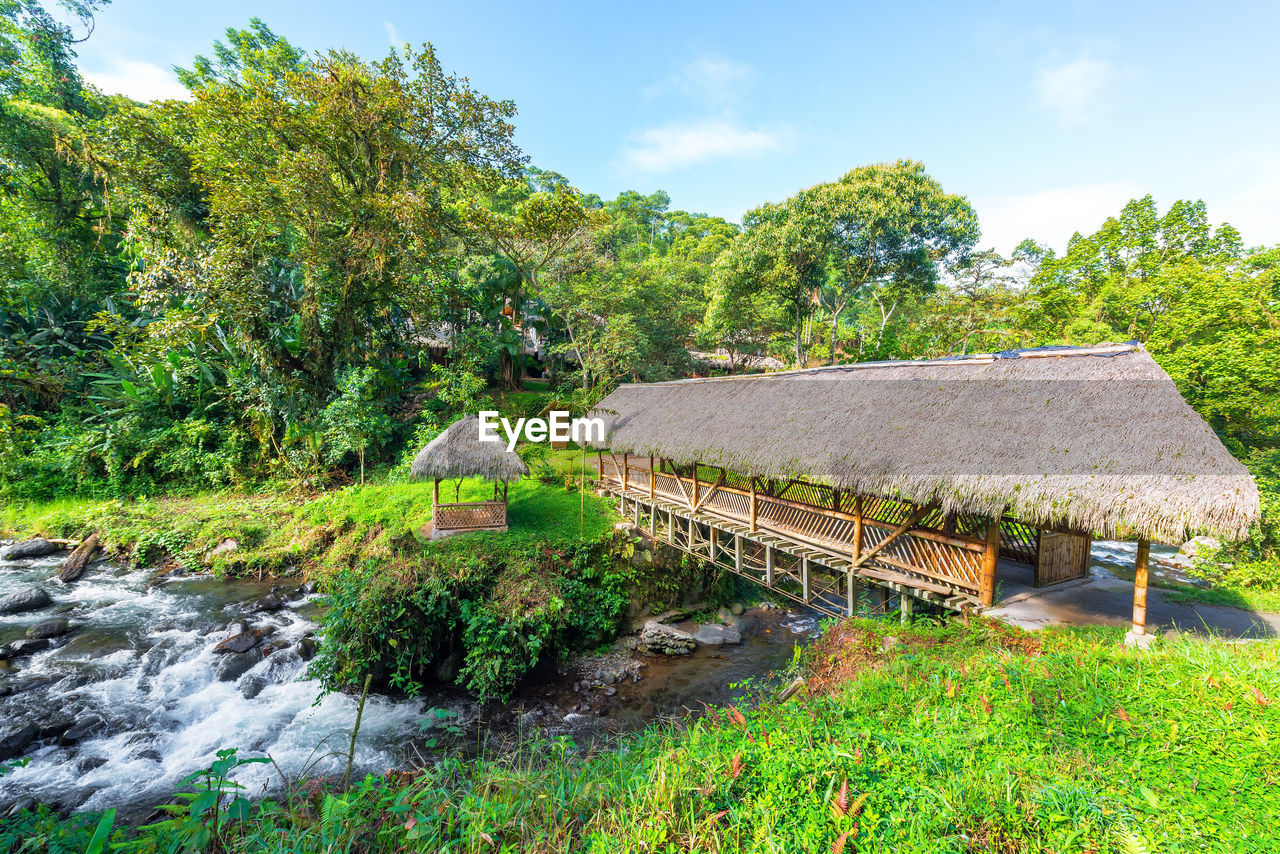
1062,557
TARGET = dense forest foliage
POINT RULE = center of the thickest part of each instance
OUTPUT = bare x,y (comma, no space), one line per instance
314,261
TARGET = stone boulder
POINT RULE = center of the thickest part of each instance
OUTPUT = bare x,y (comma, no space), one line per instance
56,627
1197,546
658,637
713,635
729,618
28,598
270,602
35,547
242,642
25,646
15,741
231,667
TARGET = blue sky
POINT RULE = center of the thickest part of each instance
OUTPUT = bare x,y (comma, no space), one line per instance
1047,116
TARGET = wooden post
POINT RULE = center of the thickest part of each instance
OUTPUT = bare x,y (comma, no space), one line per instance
692,541
906,604
804,577
671,527
600,466
851,593
857,527
737,553
768,565
653,520
695,483
435,494
651,477
987,592
625,468
1140,588
835,499
753,505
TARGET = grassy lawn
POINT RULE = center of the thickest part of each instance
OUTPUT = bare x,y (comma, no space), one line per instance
283,531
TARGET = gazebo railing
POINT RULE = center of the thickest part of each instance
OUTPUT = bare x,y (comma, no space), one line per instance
471,515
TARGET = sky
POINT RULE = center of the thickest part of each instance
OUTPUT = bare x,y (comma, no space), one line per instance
1048,117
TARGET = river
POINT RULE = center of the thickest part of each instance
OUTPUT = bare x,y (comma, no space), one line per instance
134,698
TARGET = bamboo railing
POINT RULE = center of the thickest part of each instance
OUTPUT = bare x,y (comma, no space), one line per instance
955,552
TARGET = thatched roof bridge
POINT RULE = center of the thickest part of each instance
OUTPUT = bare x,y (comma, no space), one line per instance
897,469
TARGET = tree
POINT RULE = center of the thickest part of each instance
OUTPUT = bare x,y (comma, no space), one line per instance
354,420
889,227
540,228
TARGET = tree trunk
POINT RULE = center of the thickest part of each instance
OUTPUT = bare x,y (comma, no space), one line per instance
835,325
508,372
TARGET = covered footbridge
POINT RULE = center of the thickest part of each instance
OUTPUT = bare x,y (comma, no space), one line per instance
929,479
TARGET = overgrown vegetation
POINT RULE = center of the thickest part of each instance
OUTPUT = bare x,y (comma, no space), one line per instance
910,739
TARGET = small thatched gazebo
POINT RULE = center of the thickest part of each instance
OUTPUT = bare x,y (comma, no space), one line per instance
458,453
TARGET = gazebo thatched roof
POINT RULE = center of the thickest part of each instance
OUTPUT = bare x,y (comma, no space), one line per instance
458,452
1087,439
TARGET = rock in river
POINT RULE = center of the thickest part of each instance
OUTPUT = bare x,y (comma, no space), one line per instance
28,598
24,646
16,740
242,642
53,628
717,635
37,547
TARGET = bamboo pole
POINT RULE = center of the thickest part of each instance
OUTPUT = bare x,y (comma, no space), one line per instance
695,484
754,506
857,527
1140,588
651,477
625,470
435,495
768,565
987,592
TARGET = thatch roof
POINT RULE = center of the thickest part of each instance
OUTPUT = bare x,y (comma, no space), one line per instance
1088,439
458,452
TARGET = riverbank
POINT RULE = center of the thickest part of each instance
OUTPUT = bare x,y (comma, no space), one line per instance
907,739
298,533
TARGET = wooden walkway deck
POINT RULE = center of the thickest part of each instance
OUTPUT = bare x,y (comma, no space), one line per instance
814,544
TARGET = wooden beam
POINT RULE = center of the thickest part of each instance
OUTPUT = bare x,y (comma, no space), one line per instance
694,503
737,552
1140,587
651,477
435,494
915,516
857,526
625,469
710,492
990,558
804,577
768,565
754,506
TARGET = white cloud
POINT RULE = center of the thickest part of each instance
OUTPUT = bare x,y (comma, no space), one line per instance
141,81
1073,89
1051,216
710,81
393,35
680,145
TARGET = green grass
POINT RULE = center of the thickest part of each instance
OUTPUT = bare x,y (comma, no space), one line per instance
281,532
914,739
